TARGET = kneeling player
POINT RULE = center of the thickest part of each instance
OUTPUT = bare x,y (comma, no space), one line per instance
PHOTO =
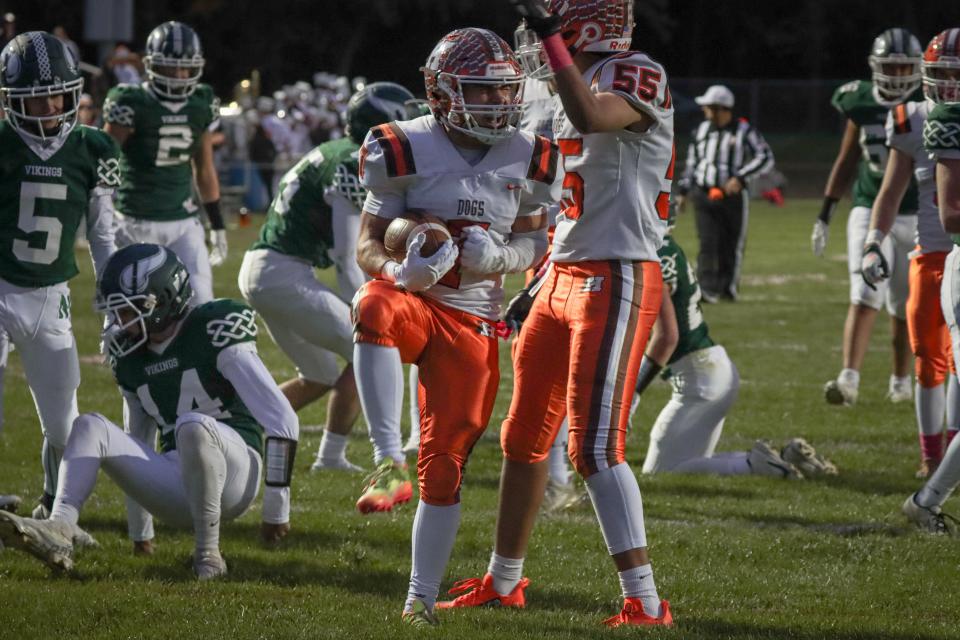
705,384
194,373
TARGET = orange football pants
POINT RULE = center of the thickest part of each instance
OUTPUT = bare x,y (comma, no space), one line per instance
929,336
457,355
578,356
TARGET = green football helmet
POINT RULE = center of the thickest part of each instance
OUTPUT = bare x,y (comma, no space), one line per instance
144,288
36,64
893,48
378,103
170,47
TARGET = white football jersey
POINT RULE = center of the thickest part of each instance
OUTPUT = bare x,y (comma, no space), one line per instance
616,191
905,133
413,165
539,108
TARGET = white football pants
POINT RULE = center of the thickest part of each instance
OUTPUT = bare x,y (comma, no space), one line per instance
212,475
38,322
705,385
307,320
896,248
184,237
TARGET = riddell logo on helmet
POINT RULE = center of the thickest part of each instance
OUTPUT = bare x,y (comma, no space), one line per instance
619,45
501,70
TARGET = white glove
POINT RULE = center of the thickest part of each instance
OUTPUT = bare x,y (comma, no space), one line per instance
417,272
818,239
873,266
218,247
481,253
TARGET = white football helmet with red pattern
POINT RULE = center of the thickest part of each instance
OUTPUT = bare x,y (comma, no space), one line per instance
597,26
941,67
529,50
467,57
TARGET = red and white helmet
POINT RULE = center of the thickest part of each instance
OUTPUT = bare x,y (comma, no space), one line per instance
597,26
941,67
474,56
529,49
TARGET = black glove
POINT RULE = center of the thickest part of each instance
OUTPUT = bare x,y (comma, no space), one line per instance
538,18
517,309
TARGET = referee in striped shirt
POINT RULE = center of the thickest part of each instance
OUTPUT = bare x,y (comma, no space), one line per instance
724,155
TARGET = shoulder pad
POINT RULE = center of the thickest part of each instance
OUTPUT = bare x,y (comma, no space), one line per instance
227,322
104,148
638,79
941,131
121,104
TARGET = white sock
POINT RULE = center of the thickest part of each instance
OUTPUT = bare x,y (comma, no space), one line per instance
379,375
930,408
616,500
203,468
953,402
732,463
559,470
506,573
944,480
333,446
638,583
434,532
849,377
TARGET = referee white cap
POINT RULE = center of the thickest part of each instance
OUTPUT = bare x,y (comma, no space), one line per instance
716,95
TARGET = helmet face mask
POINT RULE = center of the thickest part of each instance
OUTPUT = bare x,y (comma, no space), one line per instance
143,290
941,67
895,63
174,60
36,66
479,63
530,53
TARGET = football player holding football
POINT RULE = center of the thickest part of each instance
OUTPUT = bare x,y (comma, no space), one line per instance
581,345
55,176
164,128
193,373
941,138
895,62
313,223
469,165
936,386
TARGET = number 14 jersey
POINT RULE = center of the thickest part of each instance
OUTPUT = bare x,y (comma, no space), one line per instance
616,187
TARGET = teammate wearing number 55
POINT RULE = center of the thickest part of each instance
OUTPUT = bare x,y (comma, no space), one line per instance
54,174
194,373
164,129
580,348
469,165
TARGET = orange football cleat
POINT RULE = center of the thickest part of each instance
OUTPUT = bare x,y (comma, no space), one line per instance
634,614
480,593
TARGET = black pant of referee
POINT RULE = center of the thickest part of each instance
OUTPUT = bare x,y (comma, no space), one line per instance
722,228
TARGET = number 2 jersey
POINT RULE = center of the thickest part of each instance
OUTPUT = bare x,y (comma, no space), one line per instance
157,173
413,165
616,191
46,192
904,130
858,102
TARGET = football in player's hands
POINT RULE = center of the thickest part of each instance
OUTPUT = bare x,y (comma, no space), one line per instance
402,231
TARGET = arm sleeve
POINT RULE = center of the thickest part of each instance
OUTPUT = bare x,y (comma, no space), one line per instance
142,427
240,364
346,230
386,194
524,250
100,228
761,159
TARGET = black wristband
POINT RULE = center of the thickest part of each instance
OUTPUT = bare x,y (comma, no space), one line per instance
278,457
213,214
827,210
648,371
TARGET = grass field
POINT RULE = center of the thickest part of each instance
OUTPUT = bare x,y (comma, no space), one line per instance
740,557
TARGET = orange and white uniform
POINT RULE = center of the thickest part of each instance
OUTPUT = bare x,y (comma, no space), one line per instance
581,346
447,330
929,337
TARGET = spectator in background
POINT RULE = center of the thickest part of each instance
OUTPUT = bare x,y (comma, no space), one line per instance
125,65
9,29
725,155
61,33
263,151
87,111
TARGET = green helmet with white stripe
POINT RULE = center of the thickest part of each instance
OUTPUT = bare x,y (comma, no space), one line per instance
376,104
36,64
172,47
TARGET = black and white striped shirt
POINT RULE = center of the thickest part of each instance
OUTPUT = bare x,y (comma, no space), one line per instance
718,154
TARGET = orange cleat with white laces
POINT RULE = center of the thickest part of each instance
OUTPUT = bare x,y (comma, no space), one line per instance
480,593
633,614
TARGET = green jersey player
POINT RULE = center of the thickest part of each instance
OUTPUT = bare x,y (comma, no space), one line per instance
54,176
312,223
193,373
895,62
164,128
705,384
